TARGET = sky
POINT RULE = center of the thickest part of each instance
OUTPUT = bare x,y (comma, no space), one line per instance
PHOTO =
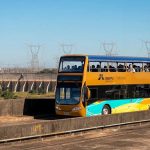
86,24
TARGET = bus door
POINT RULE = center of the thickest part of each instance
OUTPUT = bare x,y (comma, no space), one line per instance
85,96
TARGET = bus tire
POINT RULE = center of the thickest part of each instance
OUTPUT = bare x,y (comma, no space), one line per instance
106,110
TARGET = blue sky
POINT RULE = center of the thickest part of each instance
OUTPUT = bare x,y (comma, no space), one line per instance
84,23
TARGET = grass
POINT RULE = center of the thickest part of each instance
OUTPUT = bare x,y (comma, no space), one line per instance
7,94
22,95
34,95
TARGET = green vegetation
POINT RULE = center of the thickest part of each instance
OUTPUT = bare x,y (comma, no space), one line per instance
1,92
33,94
7,94
41,91
47,70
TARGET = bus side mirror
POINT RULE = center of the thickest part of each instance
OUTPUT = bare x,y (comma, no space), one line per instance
87,93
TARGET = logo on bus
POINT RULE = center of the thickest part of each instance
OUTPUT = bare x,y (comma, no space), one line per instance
101,77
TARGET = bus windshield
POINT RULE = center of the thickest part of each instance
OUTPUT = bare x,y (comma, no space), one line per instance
71,64
68,95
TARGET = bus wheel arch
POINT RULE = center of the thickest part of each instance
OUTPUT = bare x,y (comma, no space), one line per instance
106,109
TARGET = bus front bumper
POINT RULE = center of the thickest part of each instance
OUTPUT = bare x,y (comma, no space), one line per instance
74,111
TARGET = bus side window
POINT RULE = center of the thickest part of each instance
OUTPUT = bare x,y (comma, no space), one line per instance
98,68
94,93
112,67
104,67
94,66
146,67
147,90
137,67
148,64
93,69
121,67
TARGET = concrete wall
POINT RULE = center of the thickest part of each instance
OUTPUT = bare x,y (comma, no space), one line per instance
19,107
63,125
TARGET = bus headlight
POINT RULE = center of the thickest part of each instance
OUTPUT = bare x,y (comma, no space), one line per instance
58,108
76,108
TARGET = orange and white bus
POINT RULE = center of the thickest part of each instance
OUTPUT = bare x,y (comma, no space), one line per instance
90,85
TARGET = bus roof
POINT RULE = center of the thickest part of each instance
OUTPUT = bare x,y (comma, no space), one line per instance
118,59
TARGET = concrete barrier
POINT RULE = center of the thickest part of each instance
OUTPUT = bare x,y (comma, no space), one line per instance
5,107
62,125
31,107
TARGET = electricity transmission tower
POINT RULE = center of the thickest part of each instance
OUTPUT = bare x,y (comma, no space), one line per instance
67,48
34,49
109,48
147,45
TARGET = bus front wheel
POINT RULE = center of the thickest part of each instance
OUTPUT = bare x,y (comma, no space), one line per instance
106,110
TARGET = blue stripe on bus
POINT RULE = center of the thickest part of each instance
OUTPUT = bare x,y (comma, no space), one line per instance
118,58
96,107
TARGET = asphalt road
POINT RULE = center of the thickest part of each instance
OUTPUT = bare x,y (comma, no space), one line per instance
131,138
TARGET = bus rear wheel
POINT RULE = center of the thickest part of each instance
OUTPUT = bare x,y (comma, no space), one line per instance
106,110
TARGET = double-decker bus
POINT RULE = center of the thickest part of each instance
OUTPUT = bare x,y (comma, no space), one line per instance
90,85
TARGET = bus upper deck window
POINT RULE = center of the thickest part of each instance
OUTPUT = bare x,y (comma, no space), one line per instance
146,67
98,68
71,64
112,66
121,67
137,67
94,66
134,67
104,66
